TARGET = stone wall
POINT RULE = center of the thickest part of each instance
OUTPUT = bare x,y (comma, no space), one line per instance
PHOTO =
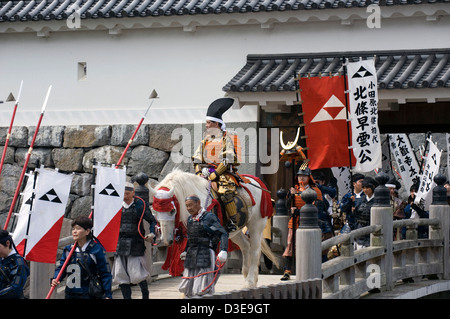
156,150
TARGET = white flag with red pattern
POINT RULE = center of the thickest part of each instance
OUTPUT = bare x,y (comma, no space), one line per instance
49,204
108,200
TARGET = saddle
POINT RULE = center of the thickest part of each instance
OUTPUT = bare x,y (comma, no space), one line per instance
242,199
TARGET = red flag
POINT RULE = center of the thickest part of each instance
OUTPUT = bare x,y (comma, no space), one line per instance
323,103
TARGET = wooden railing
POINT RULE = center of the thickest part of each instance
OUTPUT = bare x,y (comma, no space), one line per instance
386,261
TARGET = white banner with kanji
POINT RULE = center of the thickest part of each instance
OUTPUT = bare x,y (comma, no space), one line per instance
49,204
407,164
342,175
363,102
108,200
431,168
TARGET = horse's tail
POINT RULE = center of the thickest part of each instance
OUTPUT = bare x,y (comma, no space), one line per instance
265,249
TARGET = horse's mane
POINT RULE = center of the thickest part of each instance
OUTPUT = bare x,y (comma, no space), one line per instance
185,184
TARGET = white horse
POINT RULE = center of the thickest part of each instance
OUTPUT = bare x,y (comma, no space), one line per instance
178,185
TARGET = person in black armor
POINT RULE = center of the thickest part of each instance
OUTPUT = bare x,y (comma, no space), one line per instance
13,269
362,212
130,263
204,232
88,259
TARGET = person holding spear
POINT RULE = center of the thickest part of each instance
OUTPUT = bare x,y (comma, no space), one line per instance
153,96
87,266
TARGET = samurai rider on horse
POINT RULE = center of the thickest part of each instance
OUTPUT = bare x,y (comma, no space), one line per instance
217,157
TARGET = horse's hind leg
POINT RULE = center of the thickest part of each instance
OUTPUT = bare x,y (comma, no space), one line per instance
256,232
254,259
244,244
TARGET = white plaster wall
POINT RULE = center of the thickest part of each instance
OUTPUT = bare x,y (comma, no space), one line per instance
187,69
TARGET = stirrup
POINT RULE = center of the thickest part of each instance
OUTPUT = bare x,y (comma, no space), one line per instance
231,226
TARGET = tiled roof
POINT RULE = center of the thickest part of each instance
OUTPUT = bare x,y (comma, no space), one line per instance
395,69
34,10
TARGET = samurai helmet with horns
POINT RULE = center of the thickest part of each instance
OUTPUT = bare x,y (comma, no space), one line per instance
216,110
290,144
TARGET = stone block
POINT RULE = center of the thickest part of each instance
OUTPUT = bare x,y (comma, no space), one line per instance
68,159
148,160
18,138
121,135
43,155
9,156
105,154
81,207
48,136
160,136
86,136
81,184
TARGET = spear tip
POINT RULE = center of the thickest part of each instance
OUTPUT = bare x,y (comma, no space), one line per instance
10,98
153,95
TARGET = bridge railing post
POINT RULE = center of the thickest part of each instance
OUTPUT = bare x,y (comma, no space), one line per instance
382,214
440,209
308,240
280,220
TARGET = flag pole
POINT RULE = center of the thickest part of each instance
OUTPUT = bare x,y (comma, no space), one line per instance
10,127
348,128
153,96
27,158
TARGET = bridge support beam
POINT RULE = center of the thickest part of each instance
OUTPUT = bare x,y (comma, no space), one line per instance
308,240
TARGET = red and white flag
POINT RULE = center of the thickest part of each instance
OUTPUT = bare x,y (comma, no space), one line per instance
108,200
323,105
49,204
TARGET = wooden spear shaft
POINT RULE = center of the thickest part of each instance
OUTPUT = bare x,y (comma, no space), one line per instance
58,278
27,158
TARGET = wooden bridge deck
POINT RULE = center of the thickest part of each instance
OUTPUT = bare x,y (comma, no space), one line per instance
166,287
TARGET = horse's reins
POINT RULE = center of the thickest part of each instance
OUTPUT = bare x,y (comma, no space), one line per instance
219,264
216,271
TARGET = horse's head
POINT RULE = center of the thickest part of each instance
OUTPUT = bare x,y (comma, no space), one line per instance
165,211
168,200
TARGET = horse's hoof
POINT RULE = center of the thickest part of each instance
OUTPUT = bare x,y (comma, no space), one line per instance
249,285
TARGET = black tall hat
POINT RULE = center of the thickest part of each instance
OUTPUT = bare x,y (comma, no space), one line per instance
217,108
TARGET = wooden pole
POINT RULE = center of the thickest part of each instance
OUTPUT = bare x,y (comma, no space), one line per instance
27,158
